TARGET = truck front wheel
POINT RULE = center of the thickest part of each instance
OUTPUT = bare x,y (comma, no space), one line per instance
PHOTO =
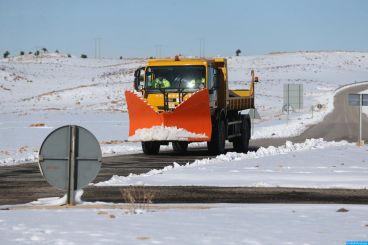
217,143
151,147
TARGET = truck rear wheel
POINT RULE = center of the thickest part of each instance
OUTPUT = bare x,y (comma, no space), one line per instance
217,143
180,146
151,147
241,143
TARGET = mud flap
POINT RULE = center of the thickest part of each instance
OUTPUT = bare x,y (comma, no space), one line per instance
193,115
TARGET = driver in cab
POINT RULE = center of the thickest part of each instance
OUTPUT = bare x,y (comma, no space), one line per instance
160,82
199,82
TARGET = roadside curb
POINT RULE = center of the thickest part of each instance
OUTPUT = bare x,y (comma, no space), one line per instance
212,194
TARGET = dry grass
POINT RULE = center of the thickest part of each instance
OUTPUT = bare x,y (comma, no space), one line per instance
142,238
5,152
22,149
342,210
106,214
137,198
34,125
52,109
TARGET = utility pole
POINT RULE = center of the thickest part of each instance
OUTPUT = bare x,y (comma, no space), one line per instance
202,45
95,40
158,49
360,142
97,47
359,100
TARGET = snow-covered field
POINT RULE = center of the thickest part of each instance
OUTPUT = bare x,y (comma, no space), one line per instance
40,94
321,73
252,224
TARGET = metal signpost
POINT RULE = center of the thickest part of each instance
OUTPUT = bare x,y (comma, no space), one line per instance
69,159
359,100
253,114
293,97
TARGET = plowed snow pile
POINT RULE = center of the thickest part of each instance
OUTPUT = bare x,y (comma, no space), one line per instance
163,133
312,164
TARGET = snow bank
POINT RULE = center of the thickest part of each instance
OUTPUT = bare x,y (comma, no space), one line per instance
289,147
10,161
57,201
125,148
107,150
164,133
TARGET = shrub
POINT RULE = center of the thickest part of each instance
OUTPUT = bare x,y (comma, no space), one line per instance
138,198
57,51
6,54
37,53
69,56
44,50
237,52
21,52
30,52
83,56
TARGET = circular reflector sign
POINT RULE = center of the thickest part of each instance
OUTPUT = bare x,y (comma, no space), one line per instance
57,152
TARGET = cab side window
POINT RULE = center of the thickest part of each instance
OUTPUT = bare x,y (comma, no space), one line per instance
215,78
210,77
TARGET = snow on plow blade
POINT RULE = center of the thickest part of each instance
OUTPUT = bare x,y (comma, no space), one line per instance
190,121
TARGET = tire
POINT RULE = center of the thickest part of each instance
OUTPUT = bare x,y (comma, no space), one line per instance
241,143
180,146
217,143
151,147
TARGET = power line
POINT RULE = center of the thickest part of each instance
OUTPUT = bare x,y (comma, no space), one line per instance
98,47
158,48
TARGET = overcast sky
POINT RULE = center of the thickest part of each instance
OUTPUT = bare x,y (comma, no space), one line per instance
148,28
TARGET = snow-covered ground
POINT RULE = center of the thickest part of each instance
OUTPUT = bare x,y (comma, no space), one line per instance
252,224
40,94
312,164
321,73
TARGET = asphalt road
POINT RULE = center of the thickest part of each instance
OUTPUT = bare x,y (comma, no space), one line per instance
24,183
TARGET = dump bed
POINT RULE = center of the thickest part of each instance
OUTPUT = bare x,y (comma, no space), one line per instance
240,99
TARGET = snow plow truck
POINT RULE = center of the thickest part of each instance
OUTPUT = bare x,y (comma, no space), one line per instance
184,100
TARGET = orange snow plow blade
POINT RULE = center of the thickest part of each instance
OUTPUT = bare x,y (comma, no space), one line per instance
192,115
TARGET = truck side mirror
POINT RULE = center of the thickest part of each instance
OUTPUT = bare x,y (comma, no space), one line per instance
138,79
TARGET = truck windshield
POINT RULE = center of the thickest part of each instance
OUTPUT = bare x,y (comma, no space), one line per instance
175,77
